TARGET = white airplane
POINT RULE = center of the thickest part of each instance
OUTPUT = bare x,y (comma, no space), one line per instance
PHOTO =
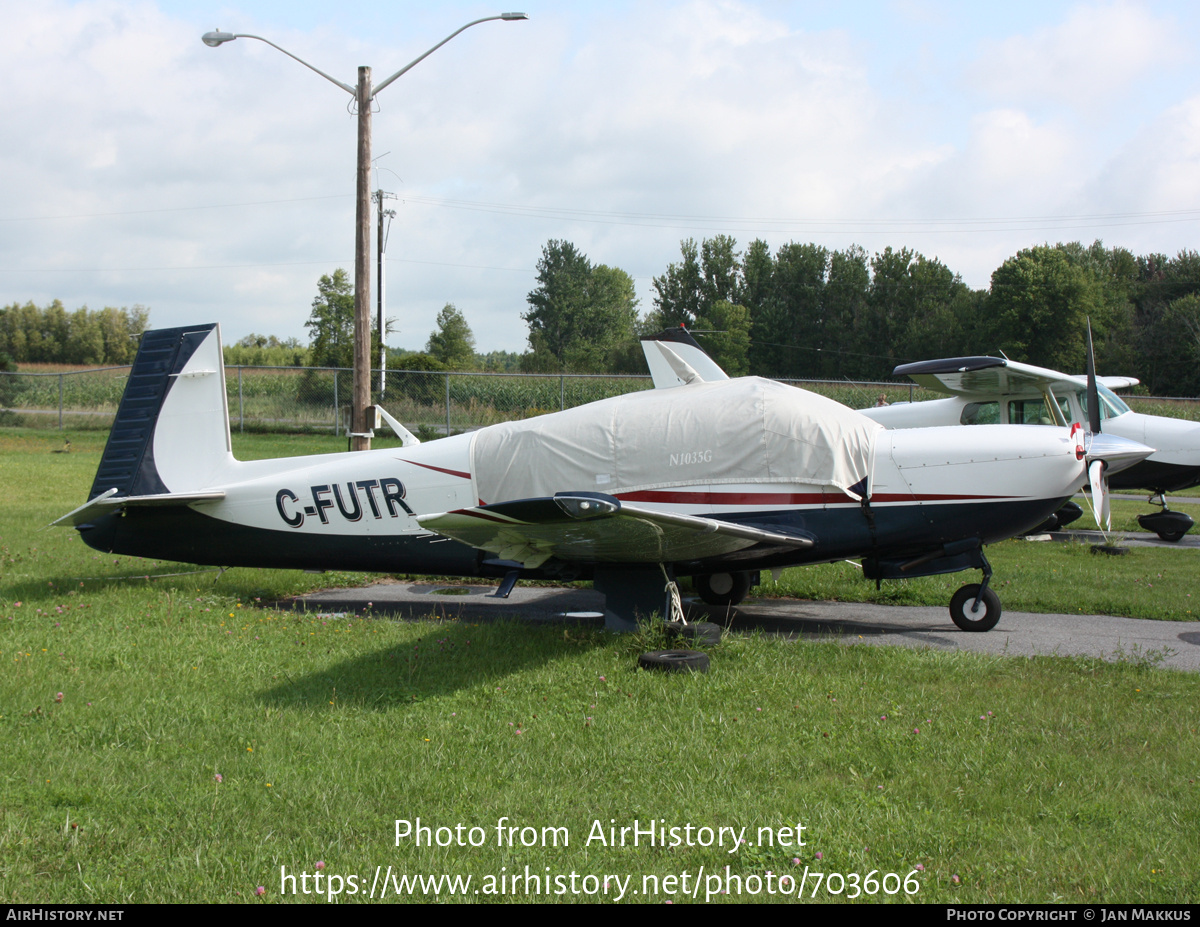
993,390
712,479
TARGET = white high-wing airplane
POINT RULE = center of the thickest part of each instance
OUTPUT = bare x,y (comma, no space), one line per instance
716,479
991,390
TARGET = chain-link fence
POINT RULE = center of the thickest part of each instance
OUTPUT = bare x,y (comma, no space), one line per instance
292,399
295,399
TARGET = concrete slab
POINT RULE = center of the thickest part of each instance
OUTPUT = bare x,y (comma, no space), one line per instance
1173,644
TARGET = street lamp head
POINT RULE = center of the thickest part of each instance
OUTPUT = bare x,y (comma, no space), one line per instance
512,16
213,39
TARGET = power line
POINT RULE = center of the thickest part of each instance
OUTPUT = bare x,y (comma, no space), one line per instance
165,209
701,222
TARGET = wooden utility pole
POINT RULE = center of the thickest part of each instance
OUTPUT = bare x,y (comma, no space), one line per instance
360,429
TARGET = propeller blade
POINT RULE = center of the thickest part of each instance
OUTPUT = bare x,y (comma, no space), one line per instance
1099,484
1093,395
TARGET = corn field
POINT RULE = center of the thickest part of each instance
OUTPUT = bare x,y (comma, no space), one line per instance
297,399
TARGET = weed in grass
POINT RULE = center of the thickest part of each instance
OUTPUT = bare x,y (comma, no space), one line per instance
1141,657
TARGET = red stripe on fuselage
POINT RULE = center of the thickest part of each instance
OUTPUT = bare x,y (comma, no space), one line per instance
458,473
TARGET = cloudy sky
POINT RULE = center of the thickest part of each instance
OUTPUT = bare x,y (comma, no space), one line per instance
140,166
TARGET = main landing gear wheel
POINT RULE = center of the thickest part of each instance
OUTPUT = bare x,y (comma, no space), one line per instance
675,661
971,617
722,588
1168,525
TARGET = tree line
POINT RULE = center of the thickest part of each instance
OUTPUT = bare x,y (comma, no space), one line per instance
50,334
802,311
807,311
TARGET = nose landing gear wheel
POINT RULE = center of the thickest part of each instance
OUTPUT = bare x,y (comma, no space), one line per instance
970,617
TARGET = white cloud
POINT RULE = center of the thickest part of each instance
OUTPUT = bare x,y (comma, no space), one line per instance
1093,56
1159,169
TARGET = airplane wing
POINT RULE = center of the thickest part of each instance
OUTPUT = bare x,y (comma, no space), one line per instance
994,376
593,527
676,359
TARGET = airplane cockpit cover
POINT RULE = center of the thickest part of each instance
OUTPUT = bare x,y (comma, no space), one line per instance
742,431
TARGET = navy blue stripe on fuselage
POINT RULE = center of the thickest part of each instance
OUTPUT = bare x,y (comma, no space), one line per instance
186,535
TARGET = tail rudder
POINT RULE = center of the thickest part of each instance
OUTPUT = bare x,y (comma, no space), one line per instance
171,433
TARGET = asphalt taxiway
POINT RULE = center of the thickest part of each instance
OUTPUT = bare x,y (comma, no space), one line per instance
1174,644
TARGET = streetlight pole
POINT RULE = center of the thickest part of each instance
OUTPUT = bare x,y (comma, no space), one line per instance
360,431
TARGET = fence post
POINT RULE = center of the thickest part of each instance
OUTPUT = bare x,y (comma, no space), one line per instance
337,409
60,401
241,406
562,393
447,405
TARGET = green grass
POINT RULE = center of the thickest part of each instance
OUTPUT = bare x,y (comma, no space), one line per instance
1027,779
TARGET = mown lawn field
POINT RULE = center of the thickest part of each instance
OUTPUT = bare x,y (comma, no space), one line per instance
171,739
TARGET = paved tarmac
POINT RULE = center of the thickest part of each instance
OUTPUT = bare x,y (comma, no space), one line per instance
1173,644
1190,541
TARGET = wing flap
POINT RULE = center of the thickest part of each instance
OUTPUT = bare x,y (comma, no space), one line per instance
592,527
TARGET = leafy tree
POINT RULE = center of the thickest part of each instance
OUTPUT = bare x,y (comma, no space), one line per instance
85,342
119,328
499,361
612,320
414,378
931,326
10,386
679,292
256,350
721,265
559,302
331,324
1179,353
1040,303
728,338
846,288
452,344
794,311
580,316
1114,276
1161,281
706,274
33,335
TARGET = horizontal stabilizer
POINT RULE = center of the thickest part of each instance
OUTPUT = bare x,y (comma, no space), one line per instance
676,359
107,501
598,528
